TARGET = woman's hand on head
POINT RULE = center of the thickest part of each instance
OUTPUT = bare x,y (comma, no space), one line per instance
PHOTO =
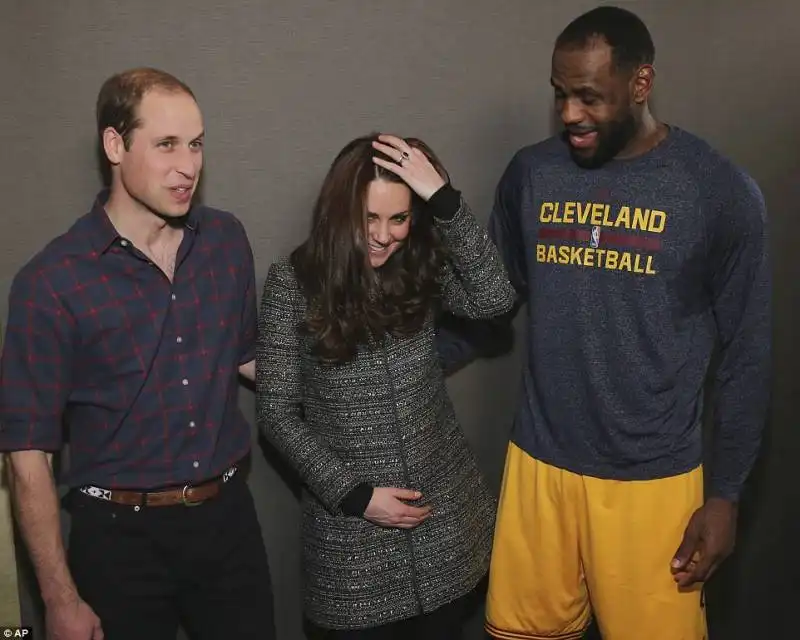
410,164
387,509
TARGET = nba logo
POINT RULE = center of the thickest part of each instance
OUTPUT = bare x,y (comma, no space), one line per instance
594,241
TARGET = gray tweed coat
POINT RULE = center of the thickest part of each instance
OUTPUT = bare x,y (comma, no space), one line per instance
383,418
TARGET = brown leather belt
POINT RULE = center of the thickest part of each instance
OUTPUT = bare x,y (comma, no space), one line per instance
187,495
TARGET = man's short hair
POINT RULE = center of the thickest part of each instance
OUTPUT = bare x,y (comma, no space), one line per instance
623,31
120,96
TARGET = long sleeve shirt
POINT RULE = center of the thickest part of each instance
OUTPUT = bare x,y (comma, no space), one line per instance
635,274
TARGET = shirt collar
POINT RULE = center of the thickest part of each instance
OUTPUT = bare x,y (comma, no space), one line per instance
103,233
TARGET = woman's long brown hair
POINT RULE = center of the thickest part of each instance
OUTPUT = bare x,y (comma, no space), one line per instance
349,302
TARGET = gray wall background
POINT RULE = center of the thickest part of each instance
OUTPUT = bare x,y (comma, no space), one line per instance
284,84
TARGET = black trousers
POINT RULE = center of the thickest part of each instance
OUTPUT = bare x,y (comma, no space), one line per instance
146,572
446,623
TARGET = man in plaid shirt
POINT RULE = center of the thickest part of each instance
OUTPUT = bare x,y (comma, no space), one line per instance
129,332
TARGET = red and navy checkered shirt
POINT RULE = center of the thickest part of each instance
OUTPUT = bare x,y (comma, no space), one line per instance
140,371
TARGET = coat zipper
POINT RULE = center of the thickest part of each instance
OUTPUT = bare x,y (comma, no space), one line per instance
406,475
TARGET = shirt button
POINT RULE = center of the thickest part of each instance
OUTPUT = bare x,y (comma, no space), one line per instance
184,382
178,339
191,424
195,464
174,297
124,243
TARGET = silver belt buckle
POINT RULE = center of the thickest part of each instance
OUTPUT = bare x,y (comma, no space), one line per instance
185,501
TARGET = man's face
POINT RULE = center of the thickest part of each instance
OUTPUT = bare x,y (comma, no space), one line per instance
594,101
162,167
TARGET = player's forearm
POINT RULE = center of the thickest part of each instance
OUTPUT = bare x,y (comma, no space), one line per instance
37,507
742,397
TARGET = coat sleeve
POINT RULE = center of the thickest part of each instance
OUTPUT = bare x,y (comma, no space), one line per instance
474,280
279,383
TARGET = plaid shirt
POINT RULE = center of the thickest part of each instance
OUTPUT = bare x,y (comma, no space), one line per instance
142,372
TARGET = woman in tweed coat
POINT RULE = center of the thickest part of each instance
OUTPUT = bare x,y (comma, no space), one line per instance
397,520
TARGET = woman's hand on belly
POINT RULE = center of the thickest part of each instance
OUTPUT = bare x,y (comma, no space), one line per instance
387,508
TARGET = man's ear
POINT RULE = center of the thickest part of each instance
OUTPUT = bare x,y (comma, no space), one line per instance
643,82
113,145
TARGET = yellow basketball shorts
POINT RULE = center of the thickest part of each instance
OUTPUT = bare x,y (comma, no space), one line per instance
568,547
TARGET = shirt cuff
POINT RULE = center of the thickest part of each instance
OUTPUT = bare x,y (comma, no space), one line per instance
356,501
30,436
725,491
248,355
445,203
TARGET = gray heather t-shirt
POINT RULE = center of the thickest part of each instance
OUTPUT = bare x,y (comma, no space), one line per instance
631,272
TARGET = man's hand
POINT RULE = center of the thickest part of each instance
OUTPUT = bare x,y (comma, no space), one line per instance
248,370
72,620
36,503
387,509
709,539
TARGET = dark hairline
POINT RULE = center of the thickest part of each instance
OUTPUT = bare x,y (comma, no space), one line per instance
619,29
